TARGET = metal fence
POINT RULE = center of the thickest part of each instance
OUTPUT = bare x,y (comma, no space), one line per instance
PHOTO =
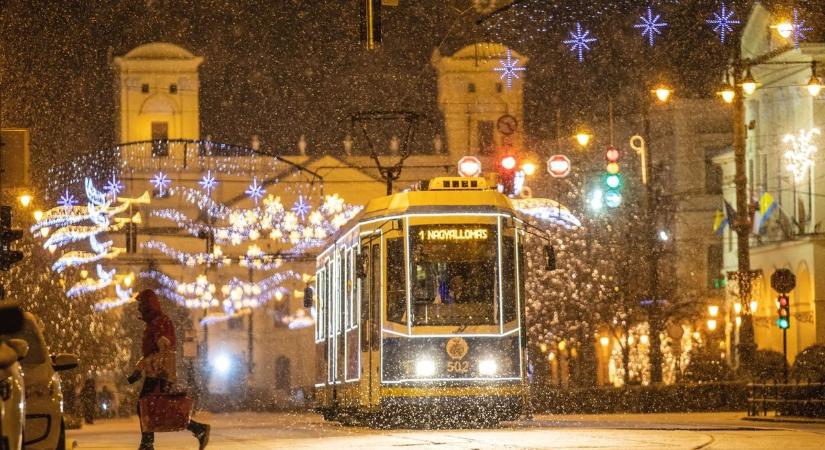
801,399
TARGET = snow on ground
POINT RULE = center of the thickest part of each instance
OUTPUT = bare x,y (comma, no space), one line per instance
258,431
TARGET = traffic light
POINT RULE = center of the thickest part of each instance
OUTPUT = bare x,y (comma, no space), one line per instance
507,167
783,304
8,257
612,179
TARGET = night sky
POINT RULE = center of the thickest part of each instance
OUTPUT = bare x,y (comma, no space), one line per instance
284,68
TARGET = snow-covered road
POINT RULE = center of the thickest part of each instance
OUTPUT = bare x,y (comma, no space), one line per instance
257,431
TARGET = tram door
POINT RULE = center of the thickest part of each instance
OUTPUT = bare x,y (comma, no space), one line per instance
371,309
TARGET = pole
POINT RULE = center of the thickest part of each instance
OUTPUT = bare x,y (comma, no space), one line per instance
742,224
652,213
785,352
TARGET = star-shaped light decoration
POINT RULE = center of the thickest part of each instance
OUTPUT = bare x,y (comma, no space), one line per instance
113,187
509,69
650,25
161,182
255,191
579,41
208,182
799,29
67,200
800,156
301,207
723,22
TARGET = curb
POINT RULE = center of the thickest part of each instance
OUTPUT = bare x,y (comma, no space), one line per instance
785,419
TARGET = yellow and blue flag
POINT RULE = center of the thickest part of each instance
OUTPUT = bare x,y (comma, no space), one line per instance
719,222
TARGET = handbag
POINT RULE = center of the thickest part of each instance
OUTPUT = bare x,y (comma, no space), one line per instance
160,412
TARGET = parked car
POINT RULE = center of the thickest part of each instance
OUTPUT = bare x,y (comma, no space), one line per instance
12,399
44,425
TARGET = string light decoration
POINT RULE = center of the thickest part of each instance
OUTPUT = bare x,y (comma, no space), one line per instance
723,22
301,207
800,156
580,41
208,182
161,182
255,191
650,25
113,187
67,200
799,29
509,69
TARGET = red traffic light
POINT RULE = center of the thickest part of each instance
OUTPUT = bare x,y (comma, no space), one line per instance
509,162
783,301
612,154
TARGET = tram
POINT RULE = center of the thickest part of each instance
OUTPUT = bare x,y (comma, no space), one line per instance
420,307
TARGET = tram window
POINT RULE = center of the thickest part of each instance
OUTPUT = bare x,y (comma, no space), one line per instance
364,257
508,279
451,268
375,286
353,299
396,282
345,298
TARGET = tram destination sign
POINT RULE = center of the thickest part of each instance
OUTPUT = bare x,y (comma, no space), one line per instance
453,234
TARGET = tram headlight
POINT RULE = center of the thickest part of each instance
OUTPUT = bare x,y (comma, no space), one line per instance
424,368
487,367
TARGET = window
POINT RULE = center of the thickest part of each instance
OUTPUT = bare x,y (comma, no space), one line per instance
452,269
282,373
486,143
713,173
715,265
508,279
396,282
173,88
160,136
144,88
236,323
471,87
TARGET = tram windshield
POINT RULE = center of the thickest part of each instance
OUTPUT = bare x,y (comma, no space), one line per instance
453,274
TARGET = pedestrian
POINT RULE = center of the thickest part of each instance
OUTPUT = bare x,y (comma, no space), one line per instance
158,363
88,398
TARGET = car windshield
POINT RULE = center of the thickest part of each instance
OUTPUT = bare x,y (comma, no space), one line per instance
453,274
28,333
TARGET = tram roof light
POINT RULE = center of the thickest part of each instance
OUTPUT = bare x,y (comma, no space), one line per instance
424,367
487,367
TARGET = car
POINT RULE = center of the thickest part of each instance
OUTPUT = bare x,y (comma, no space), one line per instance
12,399
44,426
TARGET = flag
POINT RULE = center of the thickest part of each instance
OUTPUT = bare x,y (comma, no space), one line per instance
730,213
719,222
767,205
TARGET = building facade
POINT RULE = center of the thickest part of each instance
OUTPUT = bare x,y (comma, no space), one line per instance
786,183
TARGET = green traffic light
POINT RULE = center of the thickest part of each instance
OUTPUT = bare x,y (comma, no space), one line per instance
613,181
783,323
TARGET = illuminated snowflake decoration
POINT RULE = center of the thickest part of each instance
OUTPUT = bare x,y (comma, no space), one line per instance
113,187
579,41
800,157
208,182
67,200
650,25
509,69
723,22
799,29
161,182
301,207
255,191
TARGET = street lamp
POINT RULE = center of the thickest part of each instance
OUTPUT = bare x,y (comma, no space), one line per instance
663,92
785,29
749,84
528,168
583,137
25,200
815,85
727,92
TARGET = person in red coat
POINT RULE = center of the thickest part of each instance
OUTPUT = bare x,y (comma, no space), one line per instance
157,365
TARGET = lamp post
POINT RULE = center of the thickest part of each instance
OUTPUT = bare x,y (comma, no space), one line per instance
739,83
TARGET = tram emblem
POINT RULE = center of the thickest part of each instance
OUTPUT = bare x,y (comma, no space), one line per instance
457,347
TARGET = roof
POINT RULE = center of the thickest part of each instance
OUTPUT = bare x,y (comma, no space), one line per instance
159,50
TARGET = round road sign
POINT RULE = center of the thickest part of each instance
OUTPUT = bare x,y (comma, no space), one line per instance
558,166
